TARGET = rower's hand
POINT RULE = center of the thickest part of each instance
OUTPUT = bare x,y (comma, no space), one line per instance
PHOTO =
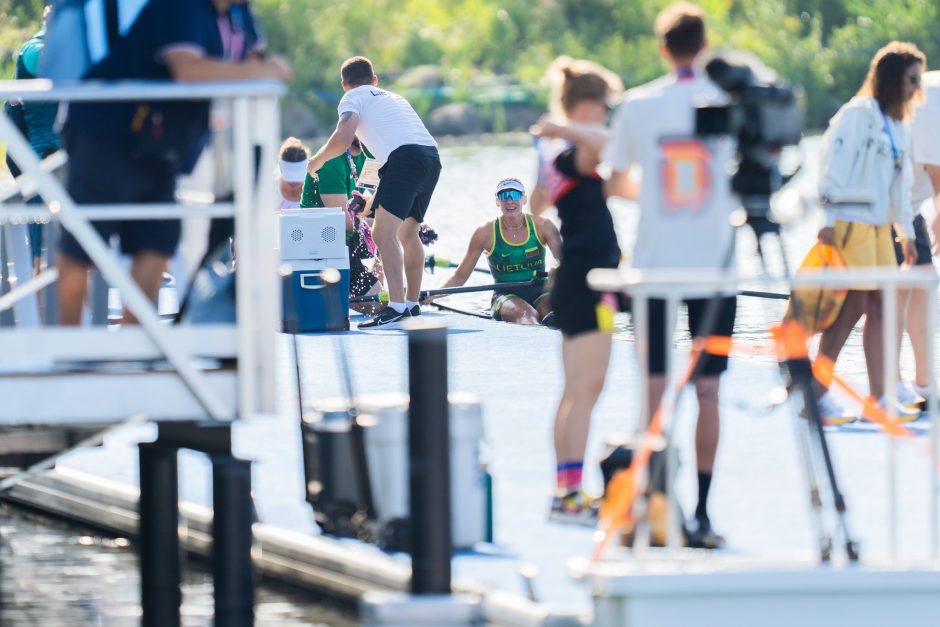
428,300
827,235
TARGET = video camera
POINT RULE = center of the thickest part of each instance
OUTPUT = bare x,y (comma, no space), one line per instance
764,114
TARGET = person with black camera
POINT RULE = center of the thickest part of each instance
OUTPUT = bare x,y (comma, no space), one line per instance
122,152
685,200
411,166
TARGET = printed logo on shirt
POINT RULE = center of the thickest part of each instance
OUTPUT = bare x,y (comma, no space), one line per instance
685,175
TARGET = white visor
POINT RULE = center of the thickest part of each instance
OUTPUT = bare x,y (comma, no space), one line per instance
293,171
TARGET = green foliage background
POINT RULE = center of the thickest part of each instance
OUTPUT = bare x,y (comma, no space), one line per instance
822,45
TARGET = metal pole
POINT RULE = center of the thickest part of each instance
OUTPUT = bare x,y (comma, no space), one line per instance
160,573
231,547
931,289
429,461
673,518
889,296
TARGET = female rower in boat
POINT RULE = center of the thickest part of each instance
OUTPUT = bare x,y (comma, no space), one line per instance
570,144
514,244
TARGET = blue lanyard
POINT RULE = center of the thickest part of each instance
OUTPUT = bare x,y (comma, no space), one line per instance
898,166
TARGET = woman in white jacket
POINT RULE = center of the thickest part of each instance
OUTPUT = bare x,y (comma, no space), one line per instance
865,187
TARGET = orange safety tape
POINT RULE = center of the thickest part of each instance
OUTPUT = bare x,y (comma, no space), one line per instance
824,371
616,510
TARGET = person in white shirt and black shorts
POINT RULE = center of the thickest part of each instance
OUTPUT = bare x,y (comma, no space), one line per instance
685,203
388,125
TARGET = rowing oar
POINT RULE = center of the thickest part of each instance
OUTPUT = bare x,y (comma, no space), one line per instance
383,296
771,295
431,262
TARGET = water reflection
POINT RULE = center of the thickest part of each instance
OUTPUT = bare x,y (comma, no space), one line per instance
52,574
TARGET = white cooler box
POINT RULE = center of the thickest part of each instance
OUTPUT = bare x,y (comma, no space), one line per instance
310,241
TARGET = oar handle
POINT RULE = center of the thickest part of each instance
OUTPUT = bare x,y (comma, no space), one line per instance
383,296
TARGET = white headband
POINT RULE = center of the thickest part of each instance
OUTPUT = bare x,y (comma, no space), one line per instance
293,171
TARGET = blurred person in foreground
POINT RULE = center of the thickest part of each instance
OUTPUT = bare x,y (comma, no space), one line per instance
129,153
685,204
925,155
570,144
514,243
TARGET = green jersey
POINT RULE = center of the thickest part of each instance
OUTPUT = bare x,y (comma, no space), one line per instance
516,262
337,176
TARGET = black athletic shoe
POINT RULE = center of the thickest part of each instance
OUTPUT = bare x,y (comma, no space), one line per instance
702,536
415,311
388,319
550,321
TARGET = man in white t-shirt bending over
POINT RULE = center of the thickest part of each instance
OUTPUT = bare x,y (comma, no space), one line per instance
385,123
685,203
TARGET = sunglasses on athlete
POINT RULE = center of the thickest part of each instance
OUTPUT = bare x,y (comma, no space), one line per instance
509,194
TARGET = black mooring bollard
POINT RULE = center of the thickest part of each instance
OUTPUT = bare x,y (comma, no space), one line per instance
231,547
159,545
429,461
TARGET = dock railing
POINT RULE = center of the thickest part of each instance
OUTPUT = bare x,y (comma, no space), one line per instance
674,285
46,378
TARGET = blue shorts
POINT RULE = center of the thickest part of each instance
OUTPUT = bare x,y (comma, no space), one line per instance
101,173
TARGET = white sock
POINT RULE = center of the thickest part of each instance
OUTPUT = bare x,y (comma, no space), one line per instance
410,304
399,307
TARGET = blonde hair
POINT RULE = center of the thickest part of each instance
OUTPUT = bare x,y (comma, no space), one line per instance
577,80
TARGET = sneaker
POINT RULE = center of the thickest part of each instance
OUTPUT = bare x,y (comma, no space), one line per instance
909,398
387,319
702,536
575,508
832,413
923,391
415,311
901,413
550,321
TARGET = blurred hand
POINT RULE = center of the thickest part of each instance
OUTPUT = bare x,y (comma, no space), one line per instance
545,128
827,235
910,252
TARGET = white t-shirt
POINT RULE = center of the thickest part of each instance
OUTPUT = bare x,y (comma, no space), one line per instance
925,139
386,120
685,191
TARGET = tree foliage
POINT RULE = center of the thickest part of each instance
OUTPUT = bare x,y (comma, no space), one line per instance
822,45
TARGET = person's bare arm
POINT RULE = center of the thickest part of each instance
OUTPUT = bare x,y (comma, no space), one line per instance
478,243
539,200
549,234
622,185
334,200
589,138
189,66
337,144
933,172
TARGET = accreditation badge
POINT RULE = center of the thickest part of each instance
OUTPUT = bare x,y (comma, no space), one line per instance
369,178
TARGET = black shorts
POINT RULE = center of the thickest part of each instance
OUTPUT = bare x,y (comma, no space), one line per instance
921,243
408,179
712,365
531,294
361,279
100,173
574,303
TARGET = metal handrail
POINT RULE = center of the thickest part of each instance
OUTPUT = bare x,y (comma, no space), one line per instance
255,122
674,284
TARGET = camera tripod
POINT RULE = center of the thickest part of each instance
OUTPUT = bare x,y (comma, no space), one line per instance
793,359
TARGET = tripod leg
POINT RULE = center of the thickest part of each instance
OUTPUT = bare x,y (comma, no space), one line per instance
803,432
801,375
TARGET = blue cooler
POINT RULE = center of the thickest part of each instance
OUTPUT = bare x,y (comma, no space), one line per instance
311,241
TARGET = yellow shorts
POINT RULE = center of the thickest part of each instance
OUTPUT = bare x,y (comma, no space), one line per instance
865,246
